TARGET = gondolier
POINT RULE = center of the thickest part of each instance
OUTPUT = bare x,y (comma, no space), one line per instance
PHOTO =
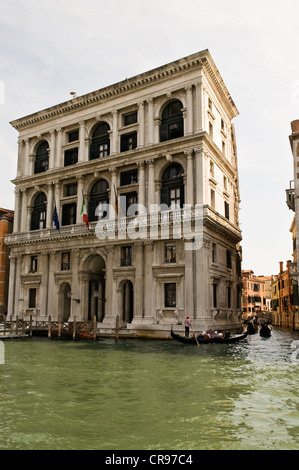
187,326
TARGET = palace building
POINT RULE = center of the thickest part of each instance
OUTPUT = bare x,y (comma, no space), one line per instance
127,204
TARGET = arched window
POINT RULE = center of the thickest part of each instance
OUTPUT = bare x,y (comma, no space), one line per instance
172,125
42,158
172,192
39,212
100,144
98,195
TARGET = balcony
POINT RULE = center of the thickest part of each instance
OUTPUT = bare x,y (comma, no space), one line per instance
179,223
290,196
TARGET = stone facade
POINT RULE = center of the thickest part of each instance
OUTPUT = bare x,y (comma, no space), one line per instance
165,136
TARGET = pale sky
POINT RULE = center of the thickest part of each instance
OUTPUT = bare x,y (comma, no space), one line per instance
49,48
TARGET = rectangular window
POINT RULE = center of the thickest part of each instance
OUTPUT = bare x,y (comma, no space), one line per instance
73,135
70,157
212,198
69,214
211,130
226,210
32,298
126,256
170,253
214,253
130,200
228,259
175,198
215,295
170,295
65,261
71,189
33,264
130,118
128,177
128,142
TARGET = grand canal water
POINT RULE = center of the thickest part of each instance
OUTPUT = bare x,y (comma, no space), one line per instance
150,395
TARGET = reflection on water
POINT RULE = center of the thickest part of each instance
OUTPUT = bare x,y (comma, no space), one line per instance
154,395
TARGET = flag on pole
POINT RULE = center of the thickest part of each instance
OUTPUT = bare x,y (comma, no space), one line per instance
55,218
84,213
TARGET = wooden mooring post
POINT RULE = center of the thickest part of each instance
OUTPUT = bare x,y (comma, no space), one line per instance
30,326
94,327
74,328
49,327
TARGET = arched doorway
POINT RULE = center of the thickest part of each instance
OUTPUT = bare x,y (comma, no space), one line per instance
95,267
64,302
127,293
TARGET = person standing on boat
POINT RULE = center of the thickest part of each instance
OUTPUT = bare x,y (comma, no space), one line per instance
187,326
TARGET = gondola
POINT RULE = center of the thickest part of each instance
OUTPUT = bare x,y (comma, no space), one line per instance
265,331
192,339
252,329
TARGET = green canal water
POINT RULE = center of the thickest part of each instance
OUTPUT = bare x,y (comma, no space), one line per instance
150,395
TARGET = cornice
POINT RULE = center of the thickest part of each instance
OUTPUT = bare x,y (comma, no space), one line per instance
198,60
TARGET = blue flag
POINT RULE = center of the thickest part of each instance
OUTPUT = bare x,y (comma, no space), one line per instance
55,218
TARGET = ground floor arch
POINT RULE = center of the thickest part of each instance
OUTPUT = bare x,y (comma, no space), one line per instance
64,303
94,269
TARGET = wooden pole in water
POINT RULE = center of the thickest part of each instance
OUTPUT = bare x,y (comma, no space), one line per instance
116,328
94,327
11,324
49,327
17,321
74,328
4,321
59,328
30,326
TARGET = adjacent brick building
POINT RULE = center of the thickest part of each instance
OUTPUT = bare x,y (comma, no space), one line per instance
6,225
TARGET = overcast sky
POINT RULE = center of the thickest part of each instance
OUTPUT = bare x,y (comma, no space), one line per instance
49,48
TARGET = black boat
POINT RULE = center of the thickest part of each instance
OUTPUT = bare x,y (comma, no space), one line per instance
193,340
252,329
265,331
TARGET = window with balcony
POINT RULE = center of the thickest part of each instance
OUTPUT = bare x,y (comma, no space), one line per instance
128,141
172,122
98,197
42,158
69,214
100,143
39,212
71,157
172,191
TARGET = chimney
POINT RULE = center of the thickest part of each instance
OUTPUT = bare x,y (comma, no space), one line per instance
280,267
295,126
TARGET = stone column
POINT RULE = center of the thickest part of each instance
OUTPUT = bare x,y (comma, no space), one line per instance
190,177
80,180
76,306
141,183
50,206
51,286
148,282
141,125
150,118
18,202
111,309
199,175
24,227
189,280
82,133
58,161
115,132
27,167
199,108
138,287
12,284
189,120
52,151
17,286
21,166
44,287
151,183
